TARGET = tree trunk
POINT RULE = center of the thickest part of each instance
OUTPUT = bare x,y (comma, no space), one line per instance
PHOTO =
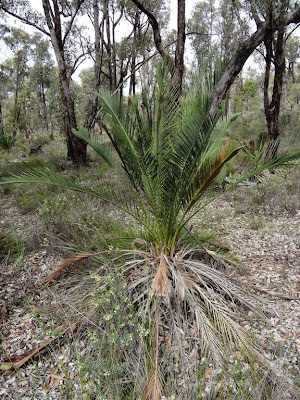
16,100
44,108
181,35
227,109
1,118
272,108
108,45
93,104
76,146
132,82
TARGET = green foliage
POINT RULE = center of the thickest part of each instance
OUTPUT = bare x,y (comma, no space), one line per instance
260,200
169,151
12,246
29,202
11,126
246,96
6,142
41,140
249,88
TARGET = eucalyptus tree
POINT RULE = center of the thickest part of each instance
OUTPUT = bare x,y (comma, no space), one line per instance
247,47
275,15
117,53
40,75
19,43
63,37
110,63
4,89
275,50
232,26
59,24
202,30
216,29
242,49
292,54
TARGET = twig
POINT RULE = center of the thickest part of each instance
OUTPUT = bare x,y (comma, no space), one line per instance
281,295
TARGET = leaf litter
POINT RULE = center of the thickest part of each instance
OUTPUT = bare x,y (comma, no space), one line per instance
269,257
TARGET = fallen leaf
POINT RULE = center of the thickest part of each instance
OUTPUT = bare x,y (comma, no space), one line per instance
29,336
208,373
54,379
18,361
4,367
33,308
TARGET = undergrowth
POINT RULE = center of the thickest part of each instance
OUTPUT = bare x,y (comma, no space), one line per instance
112,350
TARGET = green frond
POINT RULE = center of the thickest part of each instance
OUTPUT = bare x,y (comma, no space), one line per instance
47,176
101,147
108,195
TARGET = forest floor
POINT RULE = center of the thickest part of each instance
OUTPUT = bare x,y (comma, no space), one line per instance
262,234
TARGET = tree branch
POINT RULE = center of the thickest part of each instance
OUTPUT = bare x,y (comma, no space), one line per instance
294,17
254,13
79,60
241,56
291,32
79,4
156,32
139,66
24,20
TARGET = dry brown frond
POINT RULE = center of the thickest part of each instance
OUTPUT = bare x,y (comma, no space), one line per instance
161,278
154,388
76,260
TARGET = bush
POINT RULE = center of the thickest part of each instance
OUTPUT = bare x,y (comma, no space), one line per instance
6,142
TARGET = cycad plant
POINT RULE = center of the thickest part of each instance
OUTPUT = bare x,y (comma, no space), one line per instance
168,151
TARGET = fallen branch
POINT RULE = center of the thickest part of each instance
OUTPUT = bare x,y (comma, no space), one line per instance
281,295
15,362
